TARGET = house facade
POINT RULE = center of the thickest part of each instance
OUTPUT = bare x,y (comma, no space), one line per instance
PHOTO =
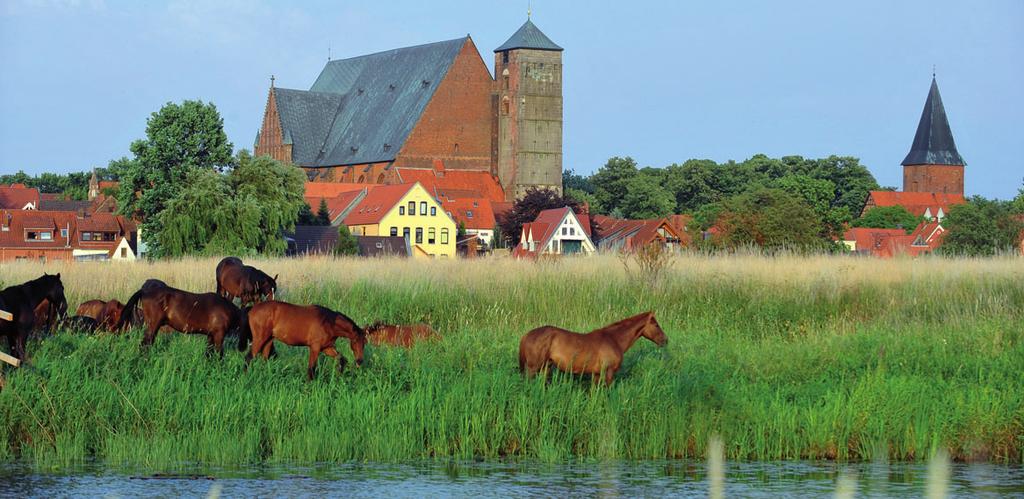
557,231
409,211
65,235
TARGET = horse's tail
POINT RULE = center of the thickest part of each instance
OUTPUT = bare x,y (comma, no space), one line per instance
242,328
128,314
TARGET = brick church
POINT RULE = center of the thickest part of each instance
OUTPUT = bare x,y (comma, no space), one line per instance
428,110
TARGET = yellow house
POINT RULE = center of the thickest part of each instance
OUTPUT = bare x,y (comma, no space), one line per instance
406,210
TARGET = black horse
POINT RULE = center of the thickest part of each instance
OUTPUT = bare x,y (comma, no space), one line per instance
21,301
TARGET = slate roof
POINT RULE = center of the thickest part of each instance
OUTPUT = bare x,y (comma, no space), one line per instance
933,143
65,205
312,239
382,246
528,36
362,109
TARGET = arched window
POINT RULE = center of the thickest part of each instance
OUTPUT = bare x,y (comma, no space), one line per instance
362,178
380,179
504,105
456,148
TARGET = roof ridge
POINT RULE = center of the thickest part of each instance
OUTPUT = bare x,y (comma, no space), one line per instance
421,45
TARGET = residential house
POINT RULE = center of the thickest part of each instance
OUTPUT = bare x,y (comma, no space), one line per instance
64,235
409,211
19,197
615,234
930,205
383,246
557,231
475,214
340,197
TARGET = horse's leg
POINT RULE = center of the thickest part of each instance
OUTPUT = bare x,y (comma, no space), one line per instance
218,342
314,354
331,352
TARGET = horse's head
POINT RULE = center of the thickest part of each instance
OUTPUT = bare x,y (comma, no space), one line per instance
652,331
343,326
114,309
267,287
53,290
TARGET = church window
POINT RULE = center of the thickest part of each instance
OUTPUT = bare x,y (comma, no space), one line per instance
362,178
456,148
380,178
504,57
504,105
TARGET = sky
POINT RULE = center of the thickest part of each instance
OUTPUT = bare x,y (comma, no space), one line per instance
661,82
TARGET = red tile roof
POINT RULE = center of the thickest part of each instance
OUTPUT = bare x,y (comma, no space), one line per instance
454,184
376,204
636,233
548,221
338,204
475,213
18,222
915,202
16,196
329,189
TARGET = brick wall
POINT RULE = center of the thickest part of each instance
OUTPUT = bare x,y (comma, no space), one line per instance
455,127
271,137
933,178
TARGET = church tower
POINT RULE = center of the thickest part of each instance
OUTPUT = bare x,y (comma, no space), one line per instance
528,77
933,164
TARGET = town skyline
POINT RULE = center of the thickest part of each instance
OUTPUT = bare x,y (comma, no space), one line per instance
727,100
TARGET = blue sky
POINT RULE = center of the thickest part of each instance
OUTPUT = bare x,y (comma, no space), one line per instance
659,81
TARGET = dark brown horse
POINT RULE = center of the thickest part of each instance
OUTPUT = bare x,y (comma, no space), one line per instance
312,325
106,313
249,284
597,353
189,313
400,335
21,301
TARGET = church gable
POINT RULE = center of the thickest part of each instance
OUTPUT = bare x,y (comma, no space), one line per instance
456,124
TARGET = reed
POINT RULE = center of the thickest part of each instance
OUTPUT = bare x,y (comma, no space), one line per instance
785,357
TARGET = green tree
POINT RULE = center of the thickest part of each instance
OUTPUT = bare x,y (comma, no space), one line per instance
572,180
460,232
584,198
323,214
889,217
526,209
981,227
275,189
647,198
306,216
180,138
1017,205
610,182
771,219
819,194
347,245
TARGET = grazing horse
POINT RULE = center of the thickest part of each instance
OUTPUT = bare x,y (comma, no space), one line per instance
21,301
106,313
313,326
189,313
400,335
597,352
80,323
45,316
249,284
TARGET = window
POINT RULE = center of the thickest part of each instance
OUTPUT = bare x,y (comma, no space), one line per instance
401,210
405,233
504,105
456,148
64,233
504,57
469,213
394,231
46,236
87,236
565,231
433,211
444,236
419,235
431,236
124,252
572,231
412,208
423,207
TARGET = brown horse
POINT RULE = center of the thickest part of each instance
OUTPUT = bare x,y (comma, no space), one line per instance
106,313
249,284
189,313
313,326
400,335
597,352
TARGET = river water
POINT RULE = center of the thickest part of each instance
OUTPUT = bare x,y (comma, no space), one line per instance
488,479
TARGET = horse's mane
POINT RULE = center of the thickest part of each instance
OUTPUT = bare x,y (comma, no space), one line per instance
618,324
329,315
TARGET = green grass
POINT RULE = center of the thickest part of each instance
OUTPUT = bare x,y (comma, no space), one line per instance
781,361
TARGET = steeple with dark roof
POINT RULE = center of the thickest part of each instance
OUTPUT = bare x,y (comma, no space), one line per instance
529,36
933,143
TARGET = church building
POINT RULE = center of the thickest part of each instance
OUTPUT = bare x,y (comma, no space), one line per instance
431,110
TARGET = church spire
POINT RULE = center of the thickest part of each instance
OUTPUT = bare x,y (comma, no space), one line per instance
933,143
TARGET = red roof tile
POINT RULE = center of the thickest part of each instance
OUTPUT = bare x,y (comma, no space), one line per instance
475,213
329,189
454,184
376,204
338,204
16,196
916,202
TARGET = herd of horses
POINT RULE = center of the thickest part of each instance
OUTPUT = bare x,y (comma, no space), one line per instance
259,319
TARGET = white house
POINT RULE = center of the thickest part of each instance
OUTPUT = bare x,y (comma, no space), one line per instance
557,231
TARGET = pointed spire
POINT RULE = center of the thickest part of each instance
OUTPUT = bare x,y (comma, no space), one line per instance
529,36
933,143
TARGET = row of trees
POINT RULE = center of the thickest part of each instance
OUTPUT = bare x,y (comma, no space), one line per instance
74,185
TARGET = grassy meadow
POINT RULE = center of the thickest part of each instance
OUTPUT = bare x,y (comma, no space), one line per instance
784,357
